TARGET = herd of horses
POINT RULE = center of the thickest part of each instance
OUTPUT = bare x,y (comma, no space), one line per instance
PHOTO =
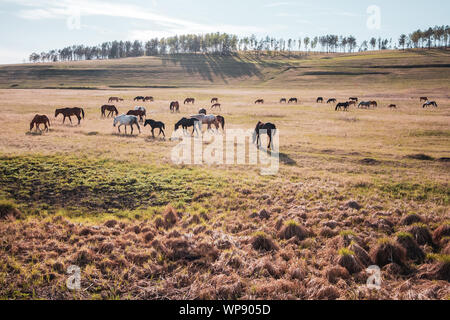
135,116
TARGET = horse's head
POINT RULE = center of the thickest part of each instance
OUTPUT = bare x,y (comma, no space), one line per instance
115,121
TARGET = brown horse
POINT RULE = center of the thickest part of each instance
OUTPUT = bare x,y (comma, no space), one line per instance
352,103
40,119
116,99
332,100
373,104
319,100
293,100
259,101
214,100
189,100
151,99
174,106
423,99
137,113
283,100
392,106
217,105
353,99
112,111
69,112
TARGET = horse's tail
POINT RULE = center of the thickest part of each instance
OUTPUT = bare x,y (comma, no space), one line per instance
222,122
82,112
164,126
48,120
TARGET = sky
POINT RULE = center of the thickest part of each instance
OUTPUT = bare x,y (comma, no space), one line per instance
40,25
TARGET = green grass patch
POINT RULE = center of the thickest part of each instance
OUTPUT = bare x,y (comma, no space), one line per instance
98,185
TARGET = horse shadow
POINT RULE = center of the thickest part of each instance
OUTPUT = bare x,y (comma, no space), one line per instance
284,158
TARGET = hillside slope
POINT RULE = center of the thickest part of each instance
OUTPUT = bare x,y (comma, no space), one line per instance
421,68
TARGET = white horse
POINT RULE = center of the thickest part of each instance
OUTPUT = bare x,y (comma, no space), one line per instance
205,119
125,120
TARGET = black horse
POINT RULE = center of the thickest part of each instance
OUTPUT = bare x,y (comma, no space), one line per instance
186,123
156,125
283,100
139,98
264,128
202,111
319,100
293,100
340,105
430,103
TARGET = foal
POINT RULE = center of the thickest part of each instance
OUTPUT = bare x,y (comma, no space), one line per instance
156,125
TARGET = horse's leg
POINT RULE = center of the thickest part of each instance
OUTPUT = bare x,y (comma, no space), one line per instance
153,133
161,130
119,128
70,120
64,119
79,119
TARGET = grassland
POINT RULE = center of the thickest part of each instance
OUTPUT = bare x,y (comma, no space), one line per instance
351,186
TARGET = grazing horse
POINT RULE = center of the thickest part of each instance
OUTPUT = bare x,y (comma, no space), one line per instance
214,100
126,120
319,100
40,119
141,109
68,112
174,106
116,99
137,113
139,98
423,99
186,123
341,105
352,103
189,100
112,110
283,100
217,105
202,111
151,99
210,119
353,99
374,104
156,125
430,103
293,100
264,128
332,100
259,101
364,104
392,106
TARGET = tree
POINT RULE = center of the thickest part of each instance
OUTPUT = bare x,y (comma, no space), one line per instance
402,41
373,43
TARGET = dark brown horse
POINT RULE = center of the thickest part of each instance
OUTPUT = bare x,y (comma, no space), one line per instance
353,99
319,100
259,101
373,104
215,106
202,111
352,103
151,99
139,98
40,119
423,99
137,113
116,99
69,112
189,100
341,105
392,106
283,100
293,100
332,100
112,111
214,100
264,128
174,106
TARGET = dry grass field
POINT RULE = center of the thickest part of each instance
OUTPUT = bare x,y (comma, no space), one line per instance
354,189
